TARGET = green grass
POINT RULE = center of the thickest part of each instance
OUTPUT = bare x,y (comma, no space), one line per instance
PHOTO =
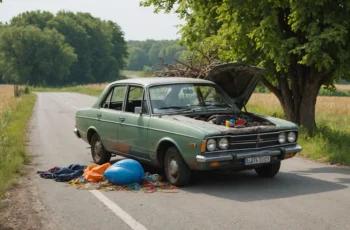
331,141
88,90
13,125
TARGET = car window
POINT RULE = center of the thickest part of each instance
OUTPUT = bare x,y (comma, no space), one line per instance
135,98
115,98
118,94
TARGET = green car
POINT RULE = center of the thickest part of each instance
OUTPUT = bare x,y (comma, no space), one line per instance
184,124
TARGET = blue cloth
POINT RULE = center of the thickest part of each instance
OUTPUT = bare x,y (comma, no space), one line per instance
66,173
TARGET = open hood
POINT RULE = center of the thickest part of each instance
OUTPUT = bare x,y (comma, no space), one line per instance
237,79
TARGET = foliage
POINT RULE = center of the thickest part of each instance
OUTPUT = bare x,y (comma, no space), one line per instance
302,44
13,124
147,53
80,48
21,61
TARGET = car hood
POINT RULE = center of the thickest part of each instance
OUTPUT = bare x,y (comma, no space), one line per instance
237,79
210,129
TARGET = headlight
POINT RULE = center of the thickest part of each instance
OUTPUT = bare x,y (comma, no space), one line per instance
282,138
223,143
291,137
211,144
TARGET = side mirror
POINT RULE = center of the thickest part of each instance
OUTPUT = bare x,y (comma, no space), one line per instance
138,110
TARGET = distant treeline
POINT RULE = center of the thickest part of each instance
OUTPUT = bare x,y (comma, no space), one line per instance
144,55
40,48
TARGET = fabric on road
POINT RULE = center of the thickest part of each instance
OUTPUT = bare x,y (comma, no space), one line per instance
304,195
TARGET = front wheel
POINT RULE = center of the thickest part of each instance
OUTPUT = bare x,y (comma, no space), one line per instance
269,170
176,169
98,152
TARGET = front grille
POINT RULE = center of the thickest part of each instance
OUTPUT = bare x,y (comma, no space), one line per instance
254,141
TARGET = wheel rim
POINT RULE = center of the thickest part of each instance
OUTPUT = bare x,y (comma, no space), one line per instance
98,150
173,167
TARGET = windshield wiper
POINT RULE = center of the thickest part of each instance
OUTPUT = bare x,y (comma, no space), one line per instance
176,107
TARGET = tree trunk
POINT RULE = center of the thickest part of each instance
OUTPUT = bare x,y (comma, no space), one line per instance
297,93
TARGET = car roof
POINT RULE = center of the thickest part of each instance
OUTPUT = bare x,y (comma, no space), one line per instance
148,81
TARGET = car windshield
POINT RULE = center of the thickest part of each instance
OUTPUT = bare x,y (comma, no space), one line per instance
184,97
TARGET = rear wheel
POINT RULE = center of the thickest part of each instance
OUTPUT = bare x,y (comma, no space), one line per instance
98,152
176,169
269,170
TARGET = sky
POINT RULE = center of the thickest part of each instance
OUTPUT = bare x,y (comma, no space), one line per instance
137,23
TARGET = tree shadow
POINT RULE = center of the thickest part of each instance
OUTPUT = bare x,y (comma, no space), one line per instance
338,170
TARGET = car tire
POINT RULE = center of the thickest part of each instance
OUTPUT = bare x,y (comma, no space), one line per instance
98,152
176,170
269,170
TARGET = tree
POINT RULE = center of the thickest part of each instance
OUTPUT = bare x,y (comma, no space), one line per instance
138,59
30,55
99,45
303,45
169,50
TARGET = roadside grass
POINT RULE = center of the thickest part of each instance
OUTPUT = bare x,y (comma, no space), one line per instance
13,125
90,89
331,142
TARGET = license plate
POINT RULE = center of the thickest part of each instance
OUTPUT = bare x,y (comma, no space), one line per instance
256,160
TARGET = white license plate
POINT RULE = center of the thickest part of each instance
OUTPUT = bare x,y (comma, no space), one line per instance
256,160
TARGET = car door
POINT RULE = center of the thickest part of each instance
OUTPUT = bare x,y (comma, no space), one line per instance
109,117
133,128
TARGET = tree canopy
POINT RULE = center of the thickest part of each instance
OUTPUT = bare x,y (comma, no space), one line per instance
95,50
303,45
147,53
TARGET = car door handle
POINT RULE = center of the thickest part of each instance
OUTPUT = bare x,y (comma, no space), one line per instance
122,118
99,115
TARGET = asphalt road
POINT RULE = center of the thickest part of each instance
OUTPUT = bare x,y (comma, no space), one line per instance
304,195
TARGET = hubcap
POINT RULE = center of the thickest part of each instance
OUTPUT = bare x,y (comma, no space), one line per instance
173,167
98,150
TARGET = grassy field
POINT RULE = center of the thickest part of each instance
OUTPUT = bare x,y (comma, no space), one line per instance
14,116
343,87
332,141
330,144
90,89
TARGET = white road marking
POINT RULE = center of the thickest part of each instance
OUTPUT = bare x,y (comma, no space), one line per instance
73,106
118,211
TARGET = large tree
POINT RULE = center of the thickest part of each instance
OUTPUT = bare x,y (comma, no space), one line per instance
303,45
99,44
34,56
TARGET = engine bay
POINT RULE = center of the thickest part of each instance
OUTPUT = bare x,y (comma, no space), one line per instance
239,120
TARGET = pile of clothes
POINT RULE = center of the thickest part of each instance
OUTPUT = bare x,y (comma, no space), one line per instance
93,177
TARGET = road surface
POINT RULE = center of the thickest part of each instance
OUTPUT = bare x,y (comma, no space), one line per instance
304,195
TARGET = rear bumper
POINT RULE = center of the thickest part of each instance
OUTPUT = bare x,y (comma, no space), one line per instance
76,132
233,156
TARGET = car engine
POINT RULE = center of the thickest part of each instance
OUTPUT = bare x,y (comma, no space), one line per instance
240,120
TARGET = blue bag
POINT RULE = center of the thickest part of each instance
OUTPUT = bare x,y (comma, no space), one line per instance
125,172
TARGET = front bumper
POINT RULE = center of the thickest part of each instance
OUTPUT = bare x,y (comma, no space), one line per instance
239,155
76,132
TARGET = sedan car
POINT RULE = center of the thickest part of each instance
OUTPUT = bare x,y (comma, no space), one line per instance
184,124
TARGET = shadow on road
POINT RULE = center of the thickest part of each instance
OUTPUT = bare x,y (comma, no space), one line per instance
328,170
247,186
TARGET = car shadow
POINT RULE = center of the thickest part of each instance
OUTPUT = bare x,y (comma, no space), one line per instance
248,186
